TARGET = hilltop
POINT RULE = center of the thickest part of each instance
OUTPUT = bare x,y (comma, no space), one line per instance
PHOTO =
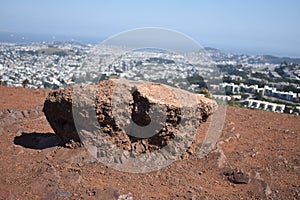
263,145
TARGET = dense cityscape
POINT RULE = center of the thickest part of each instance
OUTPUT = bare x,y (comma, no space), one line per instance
258,82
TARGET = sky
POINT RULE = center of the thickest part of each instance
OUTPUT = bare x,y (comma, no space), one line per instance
251,27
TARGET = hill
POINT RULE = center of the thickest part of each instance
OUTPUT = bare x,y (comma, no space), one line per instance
258,149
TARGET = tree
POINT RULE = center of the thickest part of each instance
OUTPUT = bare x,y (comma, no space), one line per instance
232,102
25,83
206,93
197,80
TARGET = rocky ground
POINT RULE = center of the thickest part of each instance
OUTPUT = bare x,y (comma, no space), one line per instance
257,157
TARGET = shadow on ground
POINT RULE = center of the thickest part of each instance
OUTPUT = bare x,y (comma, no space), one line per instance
37,140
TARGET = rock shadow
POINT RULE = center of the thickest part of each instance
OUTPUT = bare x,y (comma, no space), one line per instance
37,140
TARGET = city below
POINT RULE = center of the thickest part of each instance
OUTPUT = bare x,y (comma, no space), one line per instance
257,82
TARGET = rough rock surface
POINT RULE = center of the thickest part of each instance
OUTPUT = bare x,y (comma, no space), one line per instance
58,111
123,110
237,176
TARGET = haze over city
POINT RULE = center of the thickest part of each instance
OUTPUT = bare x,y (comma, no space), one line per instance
256,27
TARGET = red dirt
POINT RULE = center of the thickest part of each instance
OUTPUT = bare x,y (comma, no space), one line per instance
265,145
21,98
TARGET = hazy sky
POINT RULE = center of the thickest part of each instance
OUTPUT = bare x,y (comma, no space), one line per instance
256,26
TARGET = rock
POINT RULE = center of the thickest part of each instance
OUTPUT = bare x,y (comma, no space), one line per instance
237,136
237,176
25,113
222,160
39,108
125,196
57,109
10,110
11,116
17,115
33,112
64,193
124,110
266,188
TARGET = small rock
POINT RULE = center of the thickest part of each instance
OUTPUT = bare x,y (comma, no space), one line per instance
33,112
19,133
17,115
268,191
91,192
125,196
64,193
237,176
221,142
200,173
25,113
10,110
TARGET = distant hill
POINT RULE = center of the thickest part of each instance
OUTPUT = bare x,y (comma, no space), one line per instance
278,60
261,58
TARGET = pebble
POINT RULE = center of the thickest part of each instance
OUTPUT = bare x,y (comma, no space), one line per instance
64,193
25,113
125,196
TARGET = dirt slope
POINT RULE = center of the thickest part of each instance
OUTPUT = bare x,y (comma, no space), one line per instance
33,165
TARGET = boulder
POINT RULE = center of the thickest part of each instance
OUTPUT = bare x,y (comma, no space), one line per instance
136,116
